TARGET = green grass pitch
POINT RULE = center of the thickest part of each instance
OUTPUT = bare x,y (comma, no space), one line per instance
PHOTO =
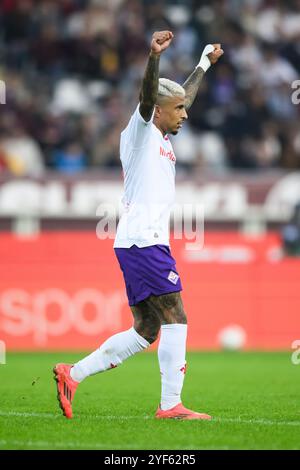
253,397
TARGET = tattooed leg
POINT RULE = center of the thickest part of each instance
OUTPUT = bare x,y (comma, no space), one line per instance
168,308
146,321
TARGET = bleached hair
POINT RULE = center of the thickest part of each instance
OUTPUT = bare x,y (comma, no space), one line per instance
169,88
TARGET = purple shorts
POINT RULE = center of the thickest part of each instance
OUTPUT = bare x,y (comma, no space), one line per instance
148,271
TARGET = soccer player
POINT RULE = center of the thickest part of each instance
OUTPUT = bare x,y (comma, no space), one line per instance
142,241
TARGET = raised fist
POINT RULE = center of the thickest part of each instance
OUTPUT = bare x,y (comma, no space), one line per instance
216,54
161,41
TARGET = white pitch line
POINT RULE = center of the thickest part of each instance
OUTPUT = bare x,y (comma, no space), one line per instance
265,422
67,444
22,414
76,445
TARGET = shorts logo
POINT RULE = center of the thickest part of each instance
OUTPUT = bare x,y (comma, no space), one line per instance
173,277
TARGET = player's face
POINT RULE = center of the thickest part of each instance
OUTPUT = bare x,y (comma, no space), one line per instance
172,115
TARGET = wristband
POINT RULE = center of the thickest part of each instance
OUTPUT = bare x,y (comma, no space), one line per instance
204,62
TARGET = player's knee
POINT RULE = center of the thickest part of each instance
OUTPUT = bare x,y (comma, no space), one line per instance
172,310
175,317
179,317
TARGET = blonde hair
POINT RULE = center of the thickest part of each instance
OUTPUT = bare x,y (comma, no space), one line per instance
168,88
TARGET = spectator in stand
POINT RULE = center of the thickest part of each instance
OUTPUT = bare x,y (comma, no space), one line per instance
22,154
45,44
3,165
291,234
71,159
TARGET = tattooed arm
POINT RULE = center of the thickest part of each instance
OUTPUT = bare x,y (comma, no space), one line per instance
191,86
210,55
149,89
148,95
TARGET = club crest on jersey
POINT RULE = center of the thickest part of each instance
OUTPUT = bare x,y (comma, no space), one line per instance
173,277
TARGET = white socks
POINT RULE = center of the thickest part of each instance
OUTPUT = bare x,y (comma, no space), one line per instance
171,357
111,353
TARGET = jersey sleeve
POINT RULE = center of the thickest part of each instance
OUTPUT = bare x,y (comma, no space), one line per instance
138,130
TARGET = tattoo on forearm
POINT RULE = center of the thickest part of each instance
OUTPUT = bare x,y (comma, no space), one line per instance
149,87
191,86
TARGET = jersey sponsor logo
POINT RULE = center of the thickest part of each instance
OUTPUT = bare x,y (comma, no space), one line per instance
173,277
169,154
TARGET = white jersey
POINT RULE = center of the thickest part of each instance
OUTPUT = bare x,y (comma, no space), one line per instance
148,163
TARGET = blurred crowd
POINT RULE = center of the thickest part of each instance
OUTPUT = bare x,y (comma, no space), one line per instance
73,69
